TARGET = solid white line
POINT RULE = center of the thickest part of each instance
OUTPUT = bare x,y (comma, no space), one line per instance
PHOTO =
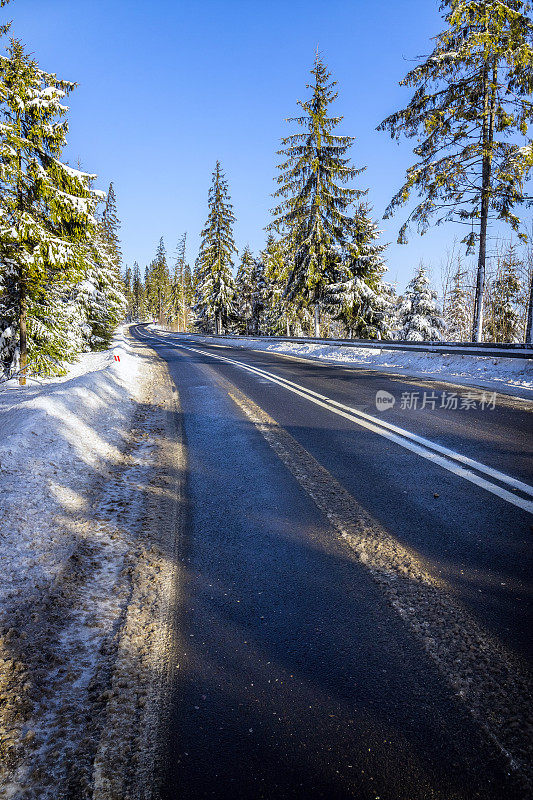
429,450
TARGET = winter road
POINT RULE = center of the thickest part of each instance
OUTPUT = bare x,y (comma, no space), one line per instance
353,620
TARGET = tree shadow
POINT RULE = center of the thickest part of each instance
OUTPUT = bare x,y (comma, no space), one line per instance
312,686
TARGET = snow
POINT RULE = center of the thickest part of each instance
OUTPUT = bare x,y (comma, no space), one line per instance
507,375
77,173
76,456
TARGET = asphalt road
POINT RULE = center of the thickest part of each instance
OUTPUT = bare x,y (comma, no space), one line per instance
298,677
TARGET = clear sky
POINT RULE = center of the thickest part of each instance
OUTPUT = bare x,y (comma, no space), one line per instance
166,87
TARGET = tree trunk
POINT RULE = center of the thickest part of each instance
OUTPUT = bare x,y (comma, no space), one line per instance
288,327
488,135
317,320
23,319
529,326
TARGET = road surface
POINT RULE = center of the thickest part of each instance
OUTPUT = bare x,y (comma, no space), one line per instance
354,616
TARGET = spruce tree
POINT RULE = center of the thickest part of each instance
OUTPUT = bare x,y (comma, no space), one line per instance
419,315
136,292
245,290
215,289
159,285
313,216
110,225
469,112
457,313
503,323
360,299
258,295
280,316
46,215
188,292
179,298
101,298
128,292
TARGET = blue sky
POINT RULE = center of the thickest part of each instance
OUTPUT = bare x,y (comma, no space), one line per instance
169,86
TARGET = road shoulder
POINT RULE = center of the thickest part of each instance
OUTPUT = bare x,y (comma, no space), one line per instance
92,488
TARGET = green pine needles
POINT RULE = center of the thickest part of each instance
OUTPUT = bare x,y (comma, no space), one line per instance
469,114
313,216
60,286
46,212
215,287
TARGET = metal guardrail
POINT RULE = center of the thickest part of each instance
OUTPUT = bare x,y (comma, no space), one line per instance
487,349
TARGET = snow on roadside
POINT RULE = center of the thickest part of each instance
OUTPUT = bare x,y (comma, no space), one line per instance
507,375
55,436
77,459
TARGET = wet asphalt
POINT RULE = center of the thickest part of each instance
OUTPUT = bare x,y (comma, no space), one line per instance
296,679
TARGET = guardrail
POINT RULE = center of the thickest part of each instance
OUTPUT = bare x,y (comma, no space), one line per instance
488,349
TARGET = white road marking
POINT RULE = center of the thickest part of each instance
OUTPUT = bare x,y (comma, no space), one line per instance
443,456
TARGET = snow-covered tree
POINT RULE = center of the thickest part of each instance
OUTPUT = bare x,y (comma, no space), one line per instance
419,315
127,279
313,216
470,114
503,317
180,289
46,216
258,296
280,316
110,224
215,287
360,299
244,284
158,286
137,299
457,311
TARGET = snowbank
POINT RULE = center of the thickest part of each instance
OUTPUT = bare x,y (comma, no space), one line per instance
506,375
54,435
77,473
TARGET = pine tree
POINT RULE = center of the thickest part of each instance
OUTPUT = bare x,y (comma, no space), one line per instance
159,285
313,217
280,316
258,296
188,292
180,292
46,216
503,323
100,301
111,225
245,290
128,291
457,313
215,289
359,298
136,293
470,106
419,316
97,302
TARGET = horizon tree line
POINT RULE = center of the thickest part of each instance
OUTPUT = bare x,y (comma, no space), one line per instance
470,169
322,270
